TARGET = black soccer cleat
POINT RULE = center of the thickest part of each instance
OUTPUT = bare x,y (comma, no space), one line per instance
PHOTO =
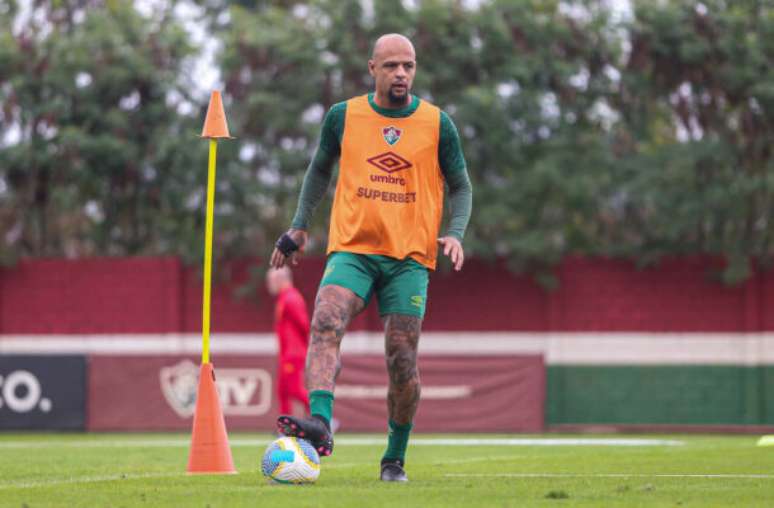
392,471
314,429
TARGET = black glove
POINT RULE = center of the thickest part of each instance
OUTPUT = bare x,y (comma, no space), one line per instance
286,245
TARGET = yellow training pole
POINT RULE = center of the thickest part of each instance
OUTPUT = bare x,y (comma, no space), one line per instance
210,452
208,250
215,127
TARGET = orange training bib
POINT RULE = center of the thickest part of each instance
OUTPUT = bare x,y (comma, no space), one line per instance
389,195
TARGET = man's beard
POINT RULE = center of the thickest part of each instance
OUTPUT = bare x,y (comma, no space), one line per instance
398,100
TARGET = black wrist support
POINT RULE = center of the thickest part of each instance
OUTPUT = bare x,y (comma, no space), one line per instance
286,245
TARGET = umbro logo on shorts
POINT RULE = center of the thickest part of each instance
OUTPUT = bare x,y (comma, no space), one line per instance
417,300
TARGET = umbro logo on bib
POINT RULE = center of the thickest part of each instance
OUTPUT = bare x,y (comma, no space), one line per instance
389,162
391,134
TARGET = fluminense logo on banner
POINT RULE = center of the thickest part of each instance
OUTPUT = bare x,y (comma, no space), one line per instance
242,392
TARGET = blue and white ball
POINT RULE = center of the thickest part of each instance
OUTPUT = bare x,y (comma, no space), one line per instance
291,460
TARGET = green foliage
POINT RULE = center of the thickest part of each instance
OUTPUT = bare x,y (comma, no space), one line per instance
102,162
635,138
697,102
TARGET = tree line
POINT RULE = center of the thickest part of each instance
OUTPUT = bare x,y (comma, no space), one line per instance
586,132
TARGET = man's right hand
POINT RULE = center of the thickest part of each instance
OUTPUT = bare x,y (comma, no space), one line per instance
278,259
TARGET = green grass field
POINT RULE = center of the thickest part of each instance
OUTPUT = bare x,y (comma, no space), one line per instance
124,470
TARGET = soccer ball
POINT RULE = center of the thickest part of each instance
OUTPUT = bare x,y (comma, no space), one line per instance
291,460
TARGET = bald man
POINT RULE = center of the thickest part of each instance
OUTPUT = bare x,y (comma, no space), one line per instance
291,324
396,152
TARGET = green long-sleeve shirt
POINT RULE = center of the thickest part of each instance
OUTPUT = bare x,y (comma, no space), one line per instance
450,158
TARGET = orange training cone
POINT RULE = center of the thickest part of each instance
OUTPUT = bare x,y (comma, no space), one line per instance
215,125
210,452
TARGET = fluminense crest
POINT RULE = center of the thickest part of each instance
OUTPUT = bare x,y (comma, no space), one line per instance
391,134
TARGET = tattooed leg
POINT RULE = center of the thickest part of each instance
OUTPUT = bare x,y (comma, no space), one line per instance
401,339
333,310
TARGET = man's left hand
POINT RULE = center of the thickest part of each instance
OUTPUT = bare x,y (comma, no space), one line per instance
453,248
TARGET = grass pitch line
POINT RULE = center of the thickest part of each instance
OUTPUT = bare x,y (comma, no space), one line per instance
24,484
533,442
349,441
436,463
611,475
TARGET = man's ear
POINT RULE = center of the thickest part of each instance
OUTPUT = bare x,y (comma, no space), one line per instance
371,65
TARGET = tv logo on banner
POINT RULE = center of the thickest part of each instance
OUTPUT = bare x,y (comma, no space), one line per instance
242,392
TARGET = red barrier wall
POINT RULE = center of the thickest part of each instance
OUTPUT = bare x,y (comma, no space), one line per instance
159,392
676,296
161,295
460,394
101,295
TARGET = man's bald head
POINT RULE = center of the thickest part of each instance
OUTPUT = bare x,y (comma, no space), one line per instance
392,64
391,43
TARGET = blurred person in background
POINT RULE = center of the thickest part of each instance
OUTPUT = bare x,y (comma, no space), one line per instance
291,324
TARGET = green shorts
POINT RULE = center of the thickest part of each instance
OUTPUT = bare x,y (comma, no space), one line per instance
400,284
